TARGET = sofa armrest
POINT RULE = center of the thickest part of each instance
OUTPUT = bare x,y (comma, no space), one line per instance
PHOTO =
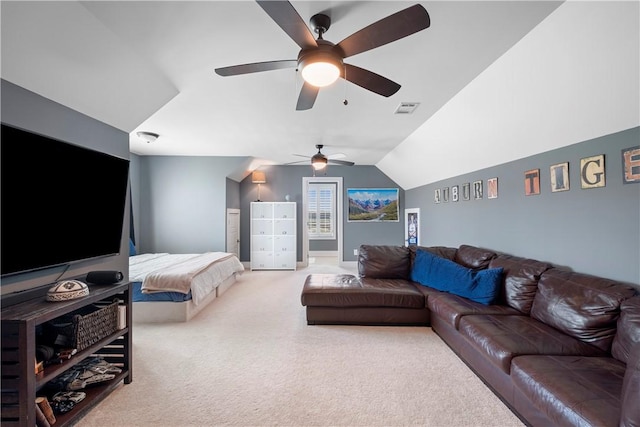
630,414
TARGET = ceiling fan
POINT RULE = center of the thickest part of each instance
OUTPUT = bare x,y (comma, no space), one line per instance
319,161
321,62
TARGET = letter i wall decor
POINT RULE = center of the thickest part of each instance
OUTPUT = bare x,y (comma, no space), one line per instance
559,177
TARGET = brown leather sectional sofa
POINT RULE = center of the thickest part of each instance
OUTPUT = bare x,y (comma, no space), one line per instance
559,348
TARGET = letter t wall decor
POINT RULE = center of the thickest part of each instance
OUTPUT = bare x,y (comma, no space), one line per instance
532,182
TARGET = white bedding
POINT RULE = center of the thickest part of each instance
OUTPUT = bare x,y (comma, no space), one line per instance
198,273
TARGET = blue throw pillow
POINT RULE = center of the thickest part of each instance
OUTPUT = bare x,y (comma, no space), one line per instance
482,286
132,248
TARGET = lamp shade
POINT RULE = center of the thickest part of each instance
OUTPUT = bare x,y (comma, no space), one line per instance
258,177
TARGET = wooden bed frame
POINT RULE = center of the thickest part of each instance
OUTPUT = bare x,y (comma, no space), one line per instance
167,311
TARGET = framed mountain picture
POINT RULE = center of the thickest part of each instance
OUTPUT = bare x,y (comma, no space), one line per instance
373,205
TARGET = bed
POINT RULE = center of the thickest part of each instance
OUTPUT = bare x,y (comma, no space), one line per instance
176,287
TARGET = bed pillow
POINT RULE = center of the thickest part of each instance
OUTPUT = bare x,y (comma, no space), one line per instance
132,248
482,286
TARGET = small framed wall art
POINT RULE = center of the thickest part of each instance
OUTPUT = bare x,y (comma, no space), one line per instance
559,177
592,173
477,190
412,227
492,188
532,182
466,191
631,165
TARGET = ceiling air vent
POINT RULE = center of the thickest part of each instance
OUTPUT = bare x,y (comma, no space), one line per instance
407,107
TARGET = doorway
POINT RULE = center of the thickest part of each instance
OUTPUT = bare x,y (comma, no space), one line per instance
233,231
313,230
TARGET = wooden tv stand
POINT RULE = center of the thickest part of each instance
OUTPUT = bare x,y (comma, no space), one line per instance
20,383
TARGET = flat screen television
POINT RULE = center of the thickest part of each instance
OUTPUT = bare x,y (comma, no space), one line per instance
61,203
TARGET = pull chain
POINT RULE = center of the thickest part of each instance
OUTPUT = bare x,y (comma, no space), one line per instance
345,102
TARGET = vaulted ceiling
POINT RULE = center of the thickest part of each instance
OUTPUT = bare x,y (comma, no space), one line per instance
489,77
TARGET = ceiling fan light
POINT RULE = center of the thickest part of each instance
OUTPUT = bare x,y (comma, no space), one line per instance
320,68
320,74
319,161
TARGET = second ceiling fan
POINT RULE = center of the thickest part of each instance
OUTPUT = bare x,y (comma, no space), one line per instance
319,160
321,62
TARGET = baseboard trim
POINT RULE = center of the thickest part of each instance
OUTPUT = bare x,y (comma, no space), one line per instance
323,253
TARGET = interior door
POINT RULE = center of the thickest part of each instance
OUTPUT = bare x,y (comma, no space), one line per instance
233,231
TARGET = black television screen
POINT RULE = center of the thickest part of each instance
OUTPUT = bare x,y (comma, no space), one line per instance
61,203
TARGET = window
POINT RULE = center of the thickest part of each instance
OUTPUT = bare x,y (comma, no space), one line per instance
322,206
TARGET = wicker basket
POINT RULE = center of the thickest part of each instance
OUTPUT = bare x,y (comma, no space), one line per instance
90,328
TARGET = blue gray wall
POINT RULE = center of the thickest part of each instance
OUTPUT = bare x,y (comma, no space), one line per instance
135,191
180,202
594,231
233,194
30,111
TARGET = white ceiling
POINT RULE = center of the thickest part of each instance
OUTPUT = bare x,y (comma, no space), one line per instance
149,66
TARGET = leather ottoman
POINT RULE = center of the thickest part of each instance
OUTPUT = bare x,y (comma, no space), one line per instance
344,299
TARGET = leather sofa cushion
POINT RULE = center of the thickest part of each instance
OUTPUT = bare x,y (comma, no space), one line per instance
500,338
451,308
628,332
384,262
344,290
472,257
572,390
582,306
520,280
630,415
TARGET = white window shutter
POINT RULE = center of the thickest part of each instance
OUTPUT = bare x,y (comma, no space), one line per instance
322,207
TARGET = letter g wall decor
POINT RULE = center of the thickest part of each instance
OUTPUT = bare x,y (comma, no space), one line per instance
592,172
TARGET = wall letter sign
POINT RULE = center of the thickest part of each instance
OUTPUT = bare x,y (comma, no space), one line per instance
559,177
532,182
492,188
631,165
592,171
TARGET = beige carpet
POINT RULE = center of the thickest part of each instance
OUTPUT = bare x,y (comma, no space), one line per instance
250,359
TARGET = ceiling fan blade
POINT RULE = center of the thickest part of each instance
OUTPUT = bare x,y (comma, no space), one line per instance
370,80
307,97
295,163
393,27
256,67
286,16
341,162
